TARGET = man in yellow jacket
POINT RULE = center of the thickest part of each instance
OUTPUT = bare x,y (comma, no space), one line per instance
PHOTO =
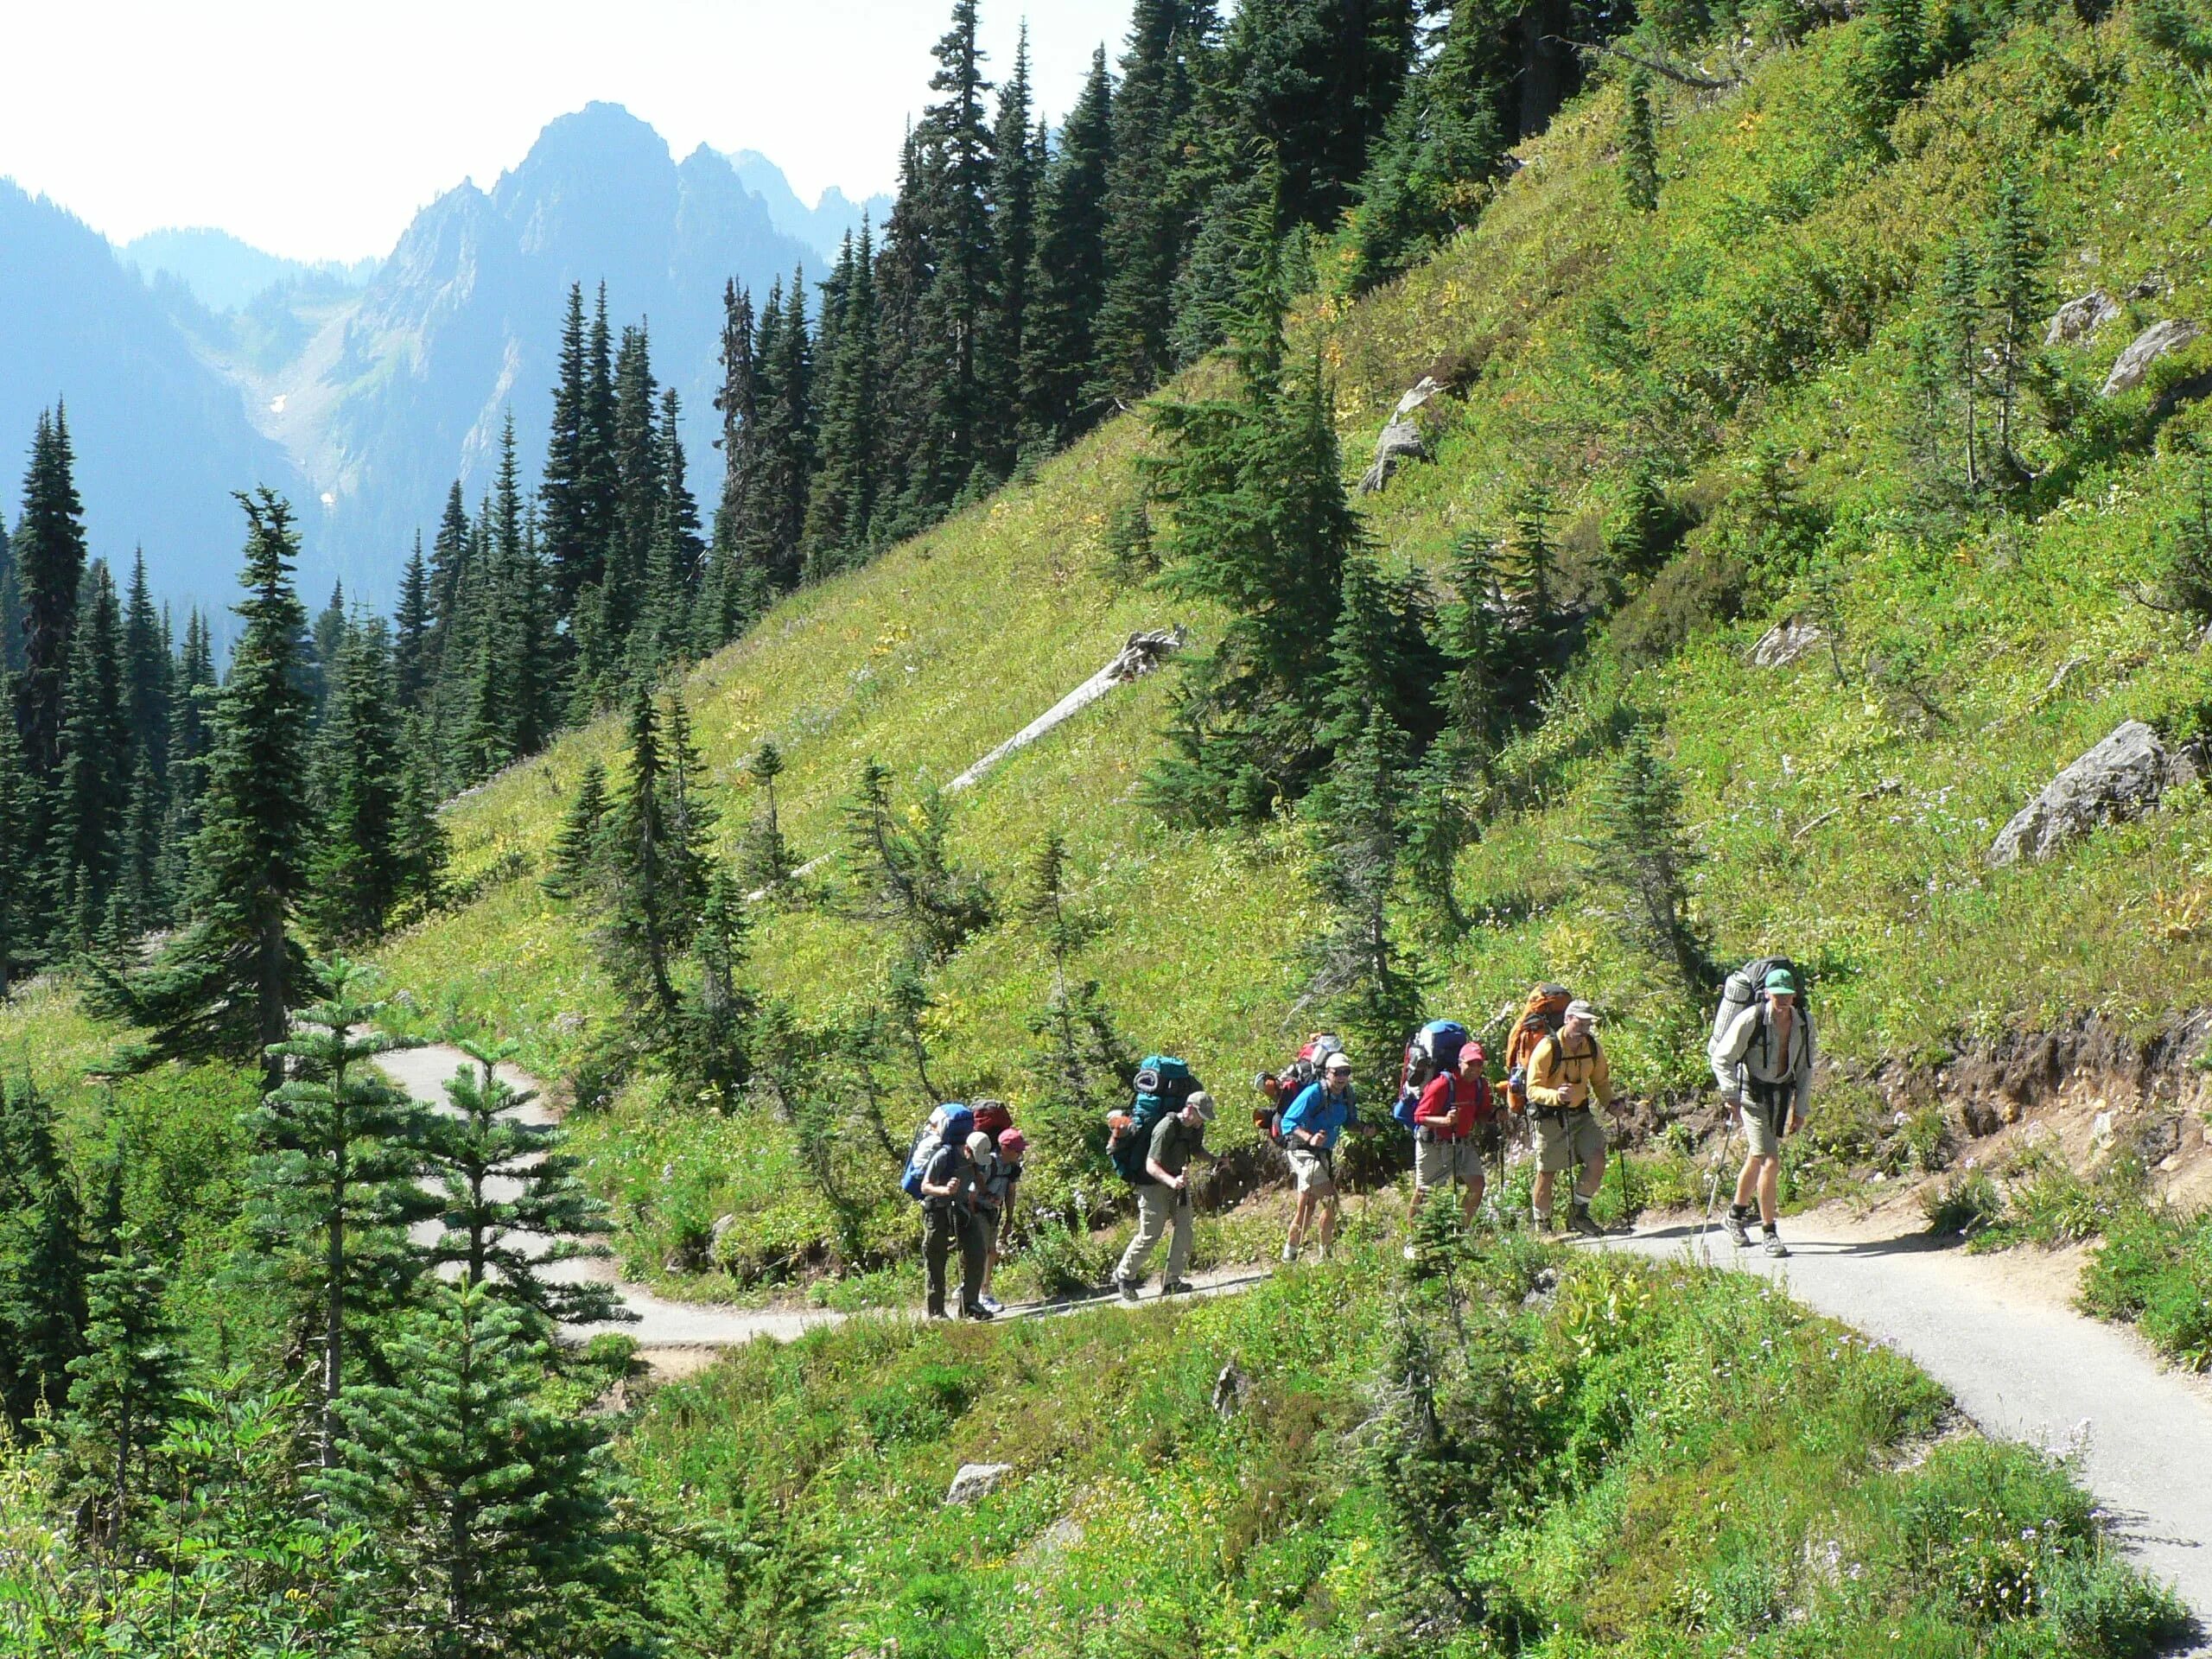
1565,1074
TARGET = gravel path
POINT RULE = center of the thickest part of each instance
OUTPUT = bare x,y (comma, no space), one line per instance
2020,1363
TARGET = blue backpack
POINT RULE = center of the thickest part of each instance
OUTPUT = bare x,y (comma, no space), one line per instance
948,1125
1163,1084
1435,1047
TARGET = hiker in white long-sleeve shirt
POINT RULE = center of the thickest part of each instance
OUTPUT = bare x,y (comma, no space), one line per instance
1767,1053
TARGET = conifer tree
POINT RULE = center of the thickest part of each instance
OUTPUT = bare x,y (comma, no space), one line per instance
2017,301
325,645
577,848
691,817
1440,146
420,845
638,470
128,1385
1017,164
1082,1063
146,673
1437,823
602,466
514,1206
47,547
1472,695
764,861
567,517
93,791
1895,58
905,877
1067,281
140,901
716,1049
450,578
1529,561
333,1185
223,986
488,1505
42,1258
1315,85
736,402
641,929
676,568
355,880
1639,144
18,857
1643,850
784,448
1959,337
841,505
410,627
190,737
11,612
1360,970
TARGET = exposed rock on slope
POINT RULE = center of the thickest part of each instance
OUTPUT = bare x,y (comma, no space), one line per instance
2118,779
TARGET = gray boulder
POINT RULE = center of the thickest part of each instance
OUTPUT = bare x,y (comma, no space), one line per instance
2147,348
975,1480
1786,642
1401,440
2120,779
2077,320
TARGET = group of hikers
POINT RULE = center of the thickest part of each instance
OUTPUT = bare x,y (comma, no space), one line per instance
1556,1082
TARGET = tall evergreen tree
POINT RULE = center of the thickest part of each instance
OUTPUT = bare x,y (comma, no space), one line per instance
2018,301
1067,281
356,880
1639,144
602,473
737,405
566,515
637,466
325,645
785,449
42,1258
11,611
642,928
48,550
146,672
127,1386
450,578
578,847
691,817
410,627
715,1045
225,985
764,861
333,1184
93,792
675,568
1643,851
488,1503
19,913
419,842
514,1206
1017,167
140,900
191,735
841,506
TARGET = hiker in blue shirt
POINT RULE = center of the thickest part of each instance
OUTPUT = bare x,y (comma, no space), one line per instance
1310,1124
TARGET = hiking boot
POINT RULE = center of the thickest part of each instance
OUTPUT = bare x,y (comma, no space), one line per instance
1128,1287
1289,1251
1177,1287
1775,1247
1738,1232
977,1310
1584,1223
1541,1220
990,1303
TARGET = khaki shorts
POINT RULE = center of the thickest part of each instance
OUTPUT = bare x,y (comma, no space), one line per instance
1577,1138
1313,1173
1762,1127
1440,1163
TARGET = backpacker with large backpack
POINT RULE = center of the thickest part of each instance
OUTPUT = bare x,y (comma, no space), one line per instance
1541,1017
950,1125
1279,1088
1435,1047
1740,991
1163,1084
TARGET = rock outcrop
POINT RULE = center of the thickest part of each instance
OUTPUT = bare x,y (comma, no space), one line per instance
2147,348
1402,439
1786,642
2077,320
975,1480
2121,778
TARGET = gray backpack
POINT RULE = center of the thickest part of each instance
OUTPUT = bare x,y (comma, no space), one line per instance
1741,991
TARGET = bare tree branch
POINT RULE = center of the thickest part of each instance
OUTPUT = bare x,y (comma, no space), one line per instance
1656,65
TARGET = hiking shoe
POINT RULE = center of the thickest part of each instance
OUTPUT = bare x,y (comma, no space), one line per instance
1584,1224
1177,1287
1128,1287
1289,1252
990,1303
1775,1247
977,1310
1738,1234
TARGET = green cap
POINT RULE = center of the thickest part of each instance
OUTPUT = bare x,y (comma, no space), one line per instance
1780,979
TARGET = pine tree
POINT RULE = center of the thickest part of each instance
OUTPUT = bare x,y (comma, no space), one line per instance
420,846
1067,281
691,817
1529,561
1639,145
841,506
93,791
333,1184
1643,850
514,1206
1894,59
140,901
1082,1064
578,847
42,1313
449,580
2018,301
1437,823
488,1505
1315,83
764,859
226,984
325,645
1959,337
641,930
128,1385
355,880
676,570
410,624
48,550
638,470
735,597
567,517
190,738
602,464
1473,695
905,877
783,449
18,914
715,1048
11,612
1440,149
1360,971
1017,167
146,673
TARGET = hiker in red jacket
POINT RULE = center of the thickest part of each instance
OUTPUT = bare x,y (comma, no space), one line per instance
1454,1126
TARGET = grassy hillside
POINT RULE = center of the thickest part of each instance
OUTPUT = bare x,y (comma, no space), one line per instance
1752,344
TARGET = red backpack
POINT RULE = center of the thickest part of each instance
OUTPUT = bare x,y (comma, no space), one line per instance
1280,1088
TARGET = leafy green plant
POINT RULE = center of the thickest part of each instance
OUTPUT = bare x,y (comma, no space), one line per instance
1964,1204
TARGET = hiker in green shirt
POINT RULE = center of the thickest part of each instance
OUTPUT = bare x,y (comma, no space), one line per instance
1164,1198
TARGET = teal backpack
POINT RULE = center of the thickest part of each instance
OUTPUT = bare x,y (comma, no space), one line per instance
1163,1084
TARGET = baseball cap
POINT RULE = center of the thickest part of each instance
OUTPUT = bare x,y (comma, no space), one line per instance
1338,1061
1202,1102
978,1144
1780,979
1578,1009
1013,1143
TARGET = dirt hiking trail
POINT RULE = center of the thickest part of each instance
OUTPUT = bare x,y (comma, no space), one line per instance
1996,1332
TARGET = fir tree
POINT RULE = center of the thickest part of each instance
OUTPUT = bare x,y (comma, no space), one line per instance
1473,696
691,817
191,735
128,1385
1639,145
764,862
639,471
93,792
1442,145
325,645
2018,301
355,880
11,612
333,1184
642,929
224,987
140,901
1437,823
410,624
784,448
1315,83
602,465
577,849
17,856
1643,850
1360,970
420,847
1529,560
905,877
1017,164
715,1048
1082,1063
1067,281
1895,58
841,507
735,597
47,547
146,673
42,1313
513,1205
1959,339
488,1505
567,516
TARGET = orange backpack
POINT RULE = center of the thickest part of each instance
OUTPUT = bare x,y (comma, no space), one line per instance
1540,1018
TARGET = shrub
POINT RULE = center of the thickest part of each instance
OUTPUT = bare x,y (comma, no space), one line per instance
2155,1268
1964,1204
1696,592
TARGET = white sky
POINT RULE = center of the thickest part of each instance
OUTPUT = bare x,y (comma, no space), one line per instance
317,129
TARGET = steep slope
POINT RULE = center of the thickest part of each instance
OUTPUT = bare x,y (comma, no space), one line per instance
226,274
160,437
822,226
1754,341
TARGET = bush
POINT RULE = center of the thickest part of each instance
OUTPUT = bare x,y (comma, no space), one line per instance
2155,1269
1698,591
1964,1204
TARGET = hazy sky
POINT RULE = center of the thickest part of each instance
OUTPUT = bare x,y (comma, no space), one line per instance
317,129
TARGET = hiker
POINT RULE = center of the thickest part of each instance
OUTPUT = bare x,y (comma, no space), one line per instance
994,1206
1453,1126
1567,1070
1310,1124
1765,1062
1164,1198
949,1218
